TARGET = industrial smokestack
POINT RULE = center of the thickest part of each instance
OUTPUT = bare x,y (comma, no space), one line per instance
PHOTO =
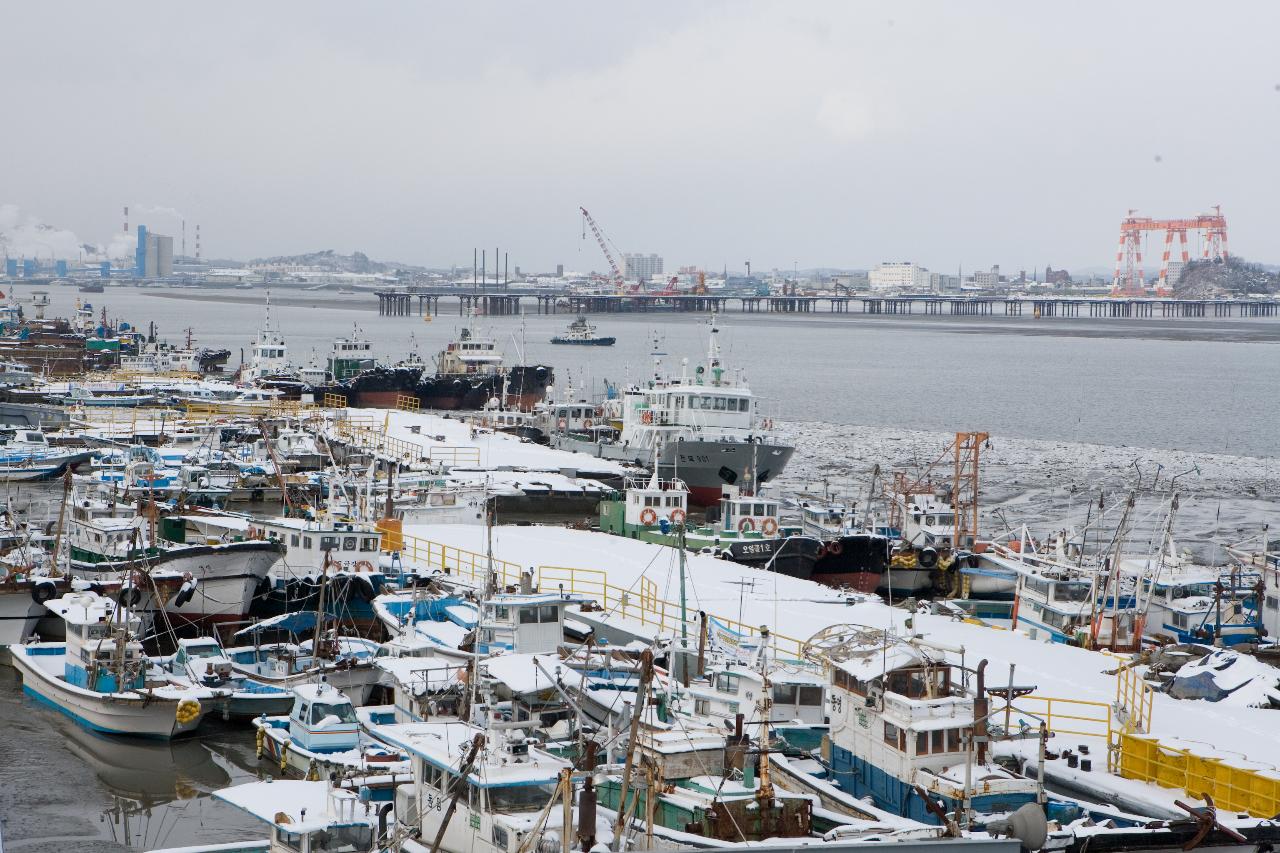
197,241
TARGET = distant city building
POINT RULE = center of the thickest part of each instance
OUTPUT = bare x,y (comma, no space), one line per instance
642,267
154,256
1056,277
851,280
559,270
902,275
987,280
940,282
1175,271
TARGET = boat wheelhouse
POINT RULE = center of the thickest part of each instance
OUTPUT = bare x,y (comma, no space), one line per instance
470,355
351,357
901,718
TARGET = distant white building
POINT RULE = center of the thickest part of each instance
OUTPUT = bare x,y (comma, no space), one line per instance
902,275
642,267
987,280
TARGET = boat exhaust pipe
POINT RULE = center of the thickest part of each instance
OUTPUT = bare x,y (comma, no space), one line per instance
980,711
587,815
382,819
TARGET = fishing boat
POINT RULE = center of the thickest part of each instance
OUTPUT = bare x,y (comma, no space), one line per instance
903,721
305,817
202,662
98,677
351,356
469,375
223,576
345,661
321,735
27,455
705,429
583,333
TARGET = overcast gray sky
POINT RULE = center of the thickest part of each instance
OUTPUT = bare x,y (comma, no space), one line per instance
828,134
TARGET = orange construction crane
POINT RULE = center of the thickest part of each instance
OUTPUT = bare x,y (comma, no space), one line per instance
619,282
1129,279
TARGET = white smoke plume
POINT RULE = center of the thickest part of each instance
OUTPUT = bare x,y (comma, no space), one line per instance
140,212
24,235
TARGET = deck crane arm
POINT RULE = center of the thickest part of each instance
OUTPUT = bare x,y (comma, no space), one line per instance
618,281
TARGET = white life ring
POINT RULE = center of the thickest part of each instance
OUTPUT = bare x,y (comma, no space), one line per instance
563,423
648,516
677,516
746,525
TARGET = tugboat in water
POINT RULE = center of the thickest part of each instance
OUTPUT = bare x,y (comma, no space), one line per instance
582,333
469,374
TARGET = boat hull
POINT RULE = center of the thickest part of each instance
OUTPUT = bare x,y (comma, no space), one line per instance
227,577
127,714
524,387
19,610
706,467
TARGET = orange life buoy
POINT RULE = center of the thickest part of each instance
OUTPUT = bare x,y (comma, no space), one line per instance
746,525
835,547
647,417
648,516
363,566
563,423
677,516
587,423
769,527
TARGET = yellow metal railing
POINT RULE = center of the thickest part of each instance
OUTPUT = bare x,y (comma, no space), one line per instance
335,401
408,403
274,409
451,456
641,604
1232,782
1134,700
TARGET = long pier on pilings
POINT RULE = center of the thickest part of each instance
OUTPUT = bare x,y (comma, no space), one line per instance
418,301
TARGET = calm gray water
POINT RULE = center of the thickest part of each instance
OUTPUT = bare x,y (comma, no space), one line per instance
1201,385
1206,385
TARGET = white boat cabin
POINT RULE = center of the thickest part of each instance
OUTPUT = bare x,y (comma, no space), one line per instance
928,520
323,719
351,546
470,356
307,817
530,623
651,502
102,652
747,514
738,689
827,520
510,783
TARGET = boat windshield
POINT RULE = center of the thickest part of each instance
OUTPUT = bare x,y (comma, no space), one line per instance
338,839
209,651
343,711
520,798
1070,592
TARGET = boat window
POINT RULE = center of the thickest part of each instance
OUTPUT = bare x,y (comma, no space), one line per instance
348,543
939,740
328,543
291,840
810,694
342,710
367,544
706,402
1070,592
893,734
306,542
744,405
502,612
727,683
293,540
547,613
520,798
719,404
702,706
953,740
342,839
93,632
205,651
500,838
759,509
528,615
680,401
784,694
